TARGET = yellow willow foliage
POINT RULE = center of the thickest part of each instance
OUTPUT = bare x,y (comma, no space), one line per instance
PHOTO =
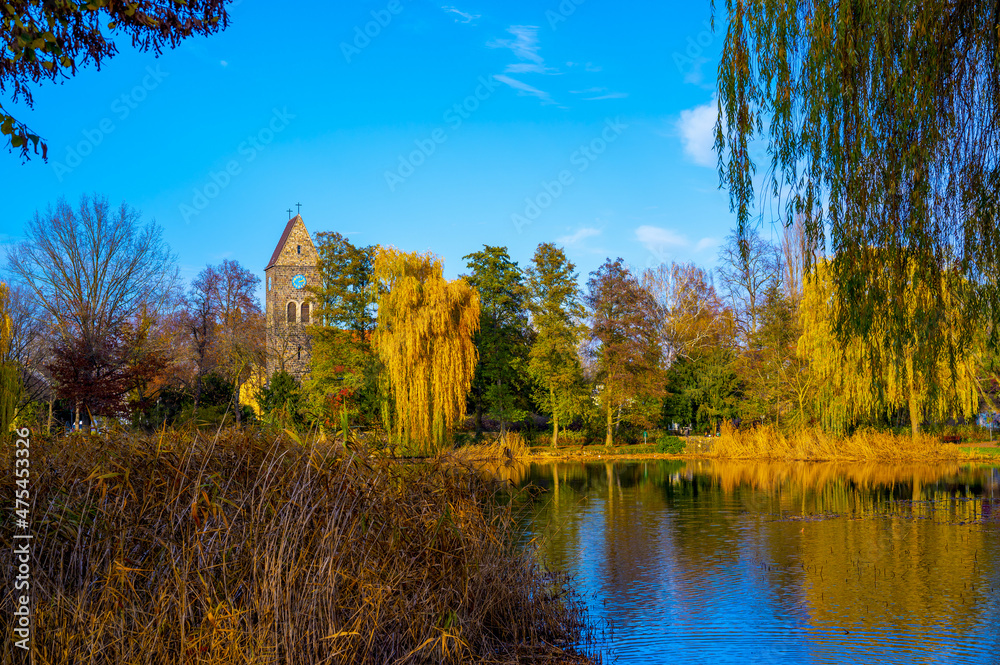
8,375
424,339
847,390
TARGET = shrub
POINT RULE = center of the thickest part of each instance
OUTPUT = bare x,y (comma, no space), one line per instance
670,445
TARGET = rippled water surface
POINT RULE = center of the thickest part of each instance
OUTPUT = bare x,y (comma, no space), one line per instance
766,563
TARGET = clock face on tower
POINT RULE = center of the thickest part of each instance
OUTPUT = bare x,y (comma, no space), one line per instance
299,281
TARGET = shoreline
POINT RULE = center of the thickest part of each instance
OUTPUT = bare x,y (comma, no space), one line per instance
969,452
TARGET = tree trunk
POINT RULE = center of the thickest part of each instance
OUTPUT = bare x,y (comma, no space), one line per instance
236,402
503,412
76,417
48,422
914,407
555,417
608,440
479,412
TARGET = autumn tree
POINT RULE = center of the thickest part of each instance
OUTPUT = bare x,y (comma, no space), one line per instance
626,345
90,272
557,314
345,370
748,265
860,380
29,347
880,122
503,339
201,323
226,325
684,307
52,40
424,337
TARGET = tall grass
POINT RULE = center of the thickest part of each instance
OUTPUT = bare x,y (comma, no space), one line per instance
765,442
250,548
511,446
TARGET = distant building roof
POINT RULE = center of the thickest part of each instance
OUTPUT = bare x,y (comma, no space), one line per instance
281,243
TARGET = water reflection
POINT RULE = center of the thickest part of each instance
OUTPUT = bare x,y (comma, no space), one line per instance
756,562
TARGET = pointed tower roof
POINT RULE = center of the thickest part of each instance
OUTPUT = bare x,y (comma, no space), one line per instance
292,223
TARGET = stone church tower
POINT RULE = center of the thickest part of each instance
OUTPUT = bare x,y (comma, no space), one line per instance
289,305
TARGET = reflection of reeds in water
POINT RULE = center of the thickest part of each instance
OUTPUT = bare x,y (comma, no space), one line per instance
733,474
243,549
765,442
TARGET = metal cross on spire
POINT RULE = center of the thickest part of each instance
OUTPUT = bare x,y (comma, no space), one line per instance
299,206
289,213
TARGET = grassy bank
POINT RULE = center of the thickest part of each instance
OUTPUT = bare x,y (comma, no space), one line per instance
250,548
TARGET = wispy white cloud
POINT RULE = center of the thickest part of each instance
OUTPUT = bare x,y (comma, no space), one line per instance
696,127
657,239
663,242
525,89
528,68
524,45
610,95
463,17
578,237
600,93
706,243
589,66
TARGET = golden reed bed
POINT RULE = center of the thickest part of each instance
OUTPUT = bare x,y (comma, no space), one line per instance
251,548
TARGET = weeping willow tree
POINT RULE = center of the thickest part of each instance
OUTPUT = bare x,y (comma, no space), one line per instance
848,390
882,125
10,381
424,338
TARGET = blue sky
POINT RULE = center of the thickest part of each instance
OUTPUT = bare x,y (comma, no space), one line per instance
406,123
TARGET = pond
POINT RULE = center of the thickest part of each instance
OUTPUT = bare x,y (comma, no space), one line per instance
715,561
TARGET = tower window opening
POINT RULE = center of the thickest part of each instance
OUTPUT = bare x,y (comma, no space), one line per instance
300,353
305,312
298,249
291,312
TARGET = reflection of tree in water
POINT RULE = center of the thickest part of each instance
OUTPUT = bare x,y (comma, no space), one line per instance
893,552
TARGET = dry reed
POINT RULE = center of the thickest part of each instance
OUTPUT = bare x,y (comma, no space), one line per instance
765,442
246,548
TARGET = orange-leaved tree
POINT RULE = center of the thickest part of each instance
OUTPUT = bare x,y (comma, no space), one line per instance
424,338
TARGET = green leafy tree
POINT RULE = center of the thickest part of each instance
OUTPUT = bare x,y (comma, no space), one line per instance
557,312
51,40
503,339
281,399
626,346
702,387
880,120
345,370
767,367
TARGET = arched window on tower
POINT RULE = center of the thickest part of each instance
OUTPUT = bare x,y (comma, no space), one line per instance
291,312
305,312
